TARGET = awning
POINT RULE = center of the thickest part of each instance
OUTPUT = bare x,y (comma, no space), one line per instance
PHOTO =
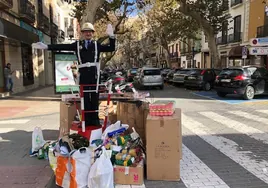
10,30
236,52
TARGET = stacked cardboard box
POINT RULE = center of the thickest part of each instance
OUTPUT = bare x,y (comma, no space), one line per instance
164,147
134,113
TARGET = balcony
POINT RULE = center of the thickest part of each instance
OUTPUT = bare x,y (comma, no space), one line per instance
6,4
235,37
43,23
262,31
27,11
221,40
53,30
235,2
61,34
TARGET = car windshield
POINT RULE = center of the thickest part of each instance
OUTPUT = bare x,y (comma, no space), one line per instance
152,72
185,71
133,71
231,72
195,72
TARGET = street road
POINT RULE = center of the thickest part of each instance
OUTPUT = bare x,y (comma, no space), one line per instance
224,143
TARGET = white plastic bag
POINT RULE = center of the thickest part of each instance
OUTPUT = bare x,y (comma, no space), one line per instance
37,139
72,171
101,174
81,163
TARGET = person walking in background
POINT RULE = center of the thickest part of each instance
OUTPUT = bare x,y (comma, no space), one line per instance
8,78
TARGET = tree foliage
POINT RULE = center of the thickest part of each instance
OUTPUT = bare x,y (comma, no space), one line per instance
210,15
167,24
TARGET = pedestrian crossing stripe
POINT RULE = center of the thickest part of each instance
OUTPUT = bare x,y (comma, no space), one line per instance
250,116
263,111
228,148
238,126
15,121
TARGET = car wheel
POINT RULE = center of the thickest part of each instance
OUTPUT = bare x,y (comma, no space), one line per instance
207,86
249,93
221,94
162,87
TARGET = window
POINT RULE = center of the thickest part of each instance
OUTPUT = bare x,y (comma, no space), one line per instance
66,22
151,72
172,49
237,28
224,32
27,64
177,48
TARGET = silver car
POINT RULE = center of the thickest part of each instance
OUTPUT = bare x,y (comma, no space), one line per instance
179,76
149,77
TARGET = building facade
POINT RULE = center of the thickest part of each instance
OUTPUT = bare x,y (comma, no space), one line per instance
23,22
258,33
234,34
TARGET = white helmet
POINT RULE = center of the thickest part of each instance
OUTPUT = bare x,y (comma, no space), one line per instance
88,27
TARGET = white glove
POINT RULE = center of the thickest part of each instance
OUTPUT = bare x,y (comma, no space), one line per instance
40,46
110,30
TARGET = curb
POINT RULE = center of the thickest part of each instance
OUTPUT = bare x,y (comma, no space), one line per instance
51,183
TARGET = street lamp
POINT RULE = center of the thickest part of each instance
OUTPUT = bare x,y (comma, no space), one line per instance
70,32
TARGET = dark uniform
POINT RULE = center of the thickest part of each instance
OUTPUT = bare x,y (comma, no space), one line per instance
88,75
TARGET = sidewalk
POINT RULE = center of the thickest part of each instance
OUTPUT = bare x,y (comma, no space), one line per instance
18,117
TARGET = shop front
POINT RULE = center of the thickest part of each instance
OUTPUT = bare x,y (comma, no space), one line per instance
16,49
235,56
259,51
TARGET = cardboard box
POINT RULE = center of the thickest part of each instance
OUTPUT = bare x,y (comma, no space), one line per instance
134,113
163,149
129,175
67,114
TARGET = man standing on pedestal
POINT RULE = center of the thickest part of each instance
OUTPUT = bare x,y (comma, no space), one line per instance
88,53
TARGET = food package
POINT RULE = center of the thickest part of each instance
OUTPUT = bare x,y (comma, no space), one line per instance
162,108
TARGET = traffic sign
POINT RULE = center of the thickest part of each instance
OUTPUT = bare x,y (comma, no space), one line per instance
244,52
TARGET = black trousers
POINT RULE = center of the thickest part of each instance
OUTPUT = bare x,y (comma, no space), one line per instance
91,100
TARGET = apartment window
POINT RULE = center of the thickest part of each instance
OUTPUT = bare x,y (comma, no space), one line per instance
235,2
66,24
225,5
237,28
177,47
206,39
224,32
172,49
40,6
27,64
71,21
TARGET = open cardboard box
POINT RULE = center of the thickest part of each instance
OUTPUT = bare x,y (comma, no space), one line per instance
129,175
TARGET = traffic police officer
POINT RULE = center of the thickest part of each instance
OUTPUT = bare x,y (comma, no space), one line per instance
87,52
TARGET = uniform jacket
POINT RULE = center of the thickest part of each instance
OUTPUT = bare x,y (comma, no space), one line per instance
86,54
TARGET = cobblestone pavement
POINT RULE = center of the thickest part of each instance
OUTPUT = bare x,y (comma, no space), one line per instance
224,145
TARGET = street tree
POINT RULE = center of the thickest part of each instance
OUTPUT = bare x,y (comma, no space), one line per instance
210,15
167,24
102,12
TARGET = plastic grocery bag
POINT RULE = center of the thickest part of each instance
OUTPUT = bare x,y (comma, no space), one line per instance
72,171
101,174
37,139
81,163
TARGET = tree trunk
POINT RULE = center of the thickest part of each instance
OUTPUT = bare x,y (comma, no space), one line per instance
90,12
214,54
167,56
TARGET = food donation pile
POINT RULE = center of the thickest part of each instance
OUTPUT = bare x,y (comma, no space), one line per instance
117,154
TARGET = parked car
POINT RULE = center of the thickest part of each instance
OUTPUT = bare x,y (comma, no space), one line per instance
164,72
178,77
246,81
201,78
131,73
149,77
170,74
